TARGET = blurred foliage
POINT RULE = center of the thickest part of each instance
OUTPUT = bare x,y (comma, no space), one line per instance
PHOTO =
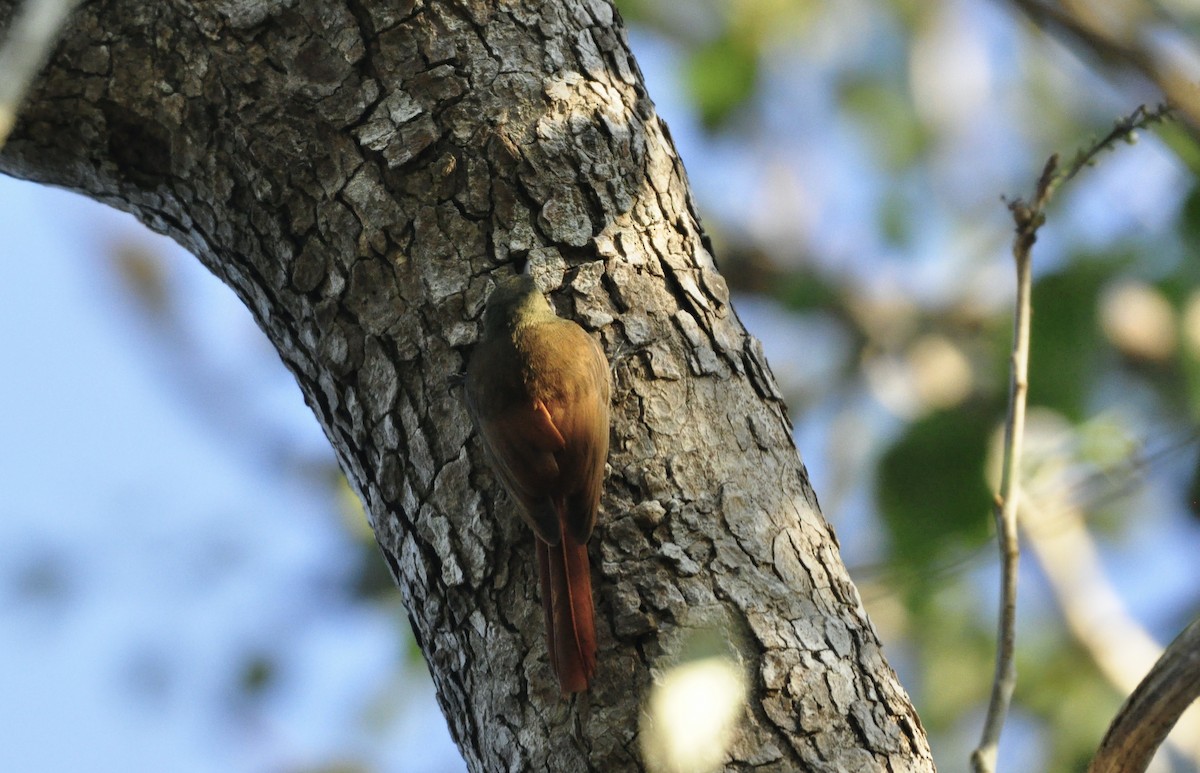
884,110
1067,344
721,74
905,122
258,674
932,495
950,683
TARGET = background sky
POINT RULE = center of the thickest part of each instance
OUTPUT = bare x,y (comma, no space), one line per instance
184,584
163,536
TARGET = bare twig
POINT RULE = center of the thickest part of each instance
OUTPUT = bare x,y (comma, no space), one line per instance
1124,130
1029,217
1153,708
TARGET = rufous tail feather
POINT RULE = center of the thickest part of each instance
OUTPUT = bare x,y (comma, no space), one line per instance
570,619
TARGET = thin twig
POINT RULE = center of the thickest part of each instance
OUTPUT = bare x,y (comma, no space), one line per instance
1028,220
1124,130
1029,217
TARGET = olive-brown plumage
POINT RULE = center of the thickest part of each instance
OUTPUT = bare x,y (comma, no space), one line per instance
538,390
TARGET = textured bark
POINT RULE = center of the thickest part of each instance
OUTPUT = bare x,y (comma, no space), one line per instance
355,172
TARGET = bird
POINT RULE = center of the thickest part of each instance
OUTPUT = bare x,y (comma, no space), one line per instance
538,390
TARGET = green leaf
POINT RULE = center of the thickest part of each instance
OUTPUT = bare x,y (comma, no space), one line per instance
257,674
1189,219
1065,341
887,116
721,76
1181,142
931,488
807,290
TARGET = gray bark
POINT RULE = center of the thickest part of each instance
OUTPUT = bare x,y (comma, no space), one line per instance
357,172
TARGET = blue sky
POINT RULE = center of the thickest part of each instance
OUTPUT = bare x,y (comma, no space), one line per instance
152,543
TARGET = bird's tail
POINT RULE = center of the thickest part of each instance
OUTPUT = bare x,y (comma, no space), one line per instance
567,603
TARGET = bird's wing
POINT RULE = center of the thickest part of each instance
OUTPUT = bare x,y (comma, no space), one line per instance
523,443
581,414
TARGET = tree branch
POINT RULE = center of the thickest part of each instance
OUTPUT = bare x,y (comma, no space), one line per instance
359,173
1123,50
1152,710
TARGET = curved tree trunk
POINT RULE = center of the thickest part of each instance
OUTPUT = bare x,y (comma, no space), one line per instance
357,173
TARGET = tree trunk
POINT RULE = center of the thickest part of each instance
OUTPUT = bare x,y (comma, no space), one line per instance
358,173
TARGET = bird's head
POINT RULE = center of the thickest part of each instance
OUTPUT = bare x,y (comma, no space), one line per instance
516,302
